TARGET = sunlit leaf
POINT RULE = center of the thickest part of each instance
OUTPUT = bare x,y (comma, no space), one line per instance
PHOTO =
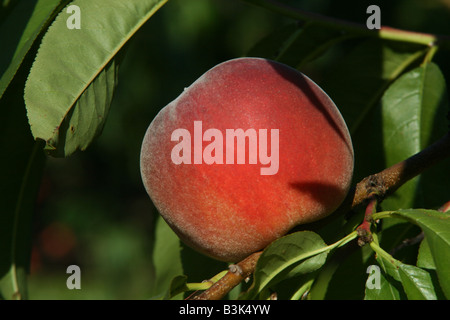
292,255
436,226
356,82
166,257
413,111
71,84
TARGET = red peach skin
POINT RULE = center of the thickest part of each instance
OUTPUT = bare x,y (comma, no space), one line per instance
228,211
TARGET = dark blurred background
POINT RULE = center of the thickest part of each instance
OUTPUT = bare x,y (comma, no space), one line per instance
93,210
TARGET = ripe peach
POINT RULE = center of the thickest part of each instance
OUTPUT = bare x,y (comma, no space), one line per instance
248,151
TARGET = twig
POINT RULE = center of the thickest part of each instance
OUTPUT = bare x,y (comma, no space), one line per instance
389,180
232,278
407,242
445,207
384,32
379,185
364,233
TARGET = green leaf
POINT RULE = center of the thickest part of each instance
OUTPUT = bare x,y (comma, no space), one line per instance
166,257
389,289
6,7
425,261
362,75
424,257
296,44
416,282
343,276
177,286
409,109
394,233
191,259
292,255
436,226
21,165
19,31
357,83
413,110
17,218
72,81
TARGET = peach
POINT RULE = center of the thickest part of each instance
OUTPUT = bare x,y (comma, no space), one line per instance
248,151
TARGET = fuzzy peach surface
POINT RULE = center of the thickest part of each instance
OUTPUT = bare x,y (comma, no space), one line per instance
228,211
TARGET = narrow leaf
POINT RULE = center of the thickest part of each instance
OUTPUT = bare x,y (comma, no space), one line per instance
177,286
19,31
296,44
166,257
424,257
21,166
